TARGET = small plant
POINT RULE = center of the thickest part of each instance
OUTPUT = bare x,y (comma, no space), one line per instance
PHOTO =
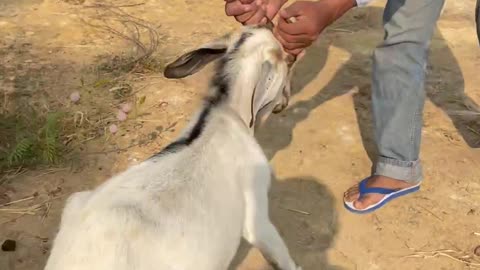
22,151
35,142
48,139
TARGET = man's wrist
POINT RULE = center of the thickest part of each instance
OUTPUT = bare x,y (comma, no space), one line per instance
338,7
362,3
346,5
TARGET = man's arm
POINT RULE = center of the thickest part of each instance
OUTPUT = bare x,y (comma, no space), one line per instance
253,11
311,18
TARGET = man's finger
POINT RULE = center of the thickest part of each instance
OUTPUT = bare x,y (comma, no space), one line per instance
294,10
296,28
301,55
295,52
288,46
301,38
236,8
257,17
244,17
293,46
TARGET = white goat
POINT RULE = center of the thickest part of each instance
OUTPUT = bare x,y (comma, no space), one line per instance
188,207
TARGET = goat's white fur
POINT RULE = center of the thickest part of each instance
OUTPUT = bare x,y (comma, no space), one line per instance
186,210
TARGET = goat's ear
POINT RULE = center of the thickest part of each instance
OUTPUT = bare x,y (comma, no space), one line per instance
260,94
193,61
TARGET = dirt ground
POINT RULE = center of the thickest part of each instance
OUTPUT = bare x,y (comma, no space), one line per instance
319,146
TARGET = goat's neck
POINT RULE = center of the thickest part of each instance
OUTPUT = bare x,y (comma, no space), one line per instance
240,101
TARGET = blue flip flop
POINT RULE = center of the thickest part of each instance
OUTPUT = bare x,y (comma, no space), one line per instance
390,194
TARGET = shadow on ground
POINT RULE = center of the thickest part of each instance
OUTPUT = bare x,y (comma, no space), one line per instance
448,94
308,226
314,234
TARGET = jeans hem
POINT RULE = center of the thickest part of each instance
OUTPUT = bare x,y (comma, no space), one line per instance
408,171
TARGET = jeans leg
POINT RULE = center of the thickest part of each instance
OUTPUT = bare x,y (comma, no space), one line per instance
398,93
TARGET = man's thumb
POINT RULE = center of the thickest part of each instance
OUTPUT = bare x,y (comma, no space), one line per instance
293,10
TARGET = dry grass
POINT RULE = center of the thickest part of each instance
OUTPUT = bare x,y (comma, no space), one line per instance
115,20
458,256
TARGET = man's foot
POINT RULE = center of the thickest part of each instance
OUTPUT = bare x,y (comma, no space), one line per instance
352,194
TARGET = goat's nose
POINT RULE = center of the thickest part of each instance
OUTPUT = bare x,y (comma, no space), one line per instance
290,59
269,25
280,107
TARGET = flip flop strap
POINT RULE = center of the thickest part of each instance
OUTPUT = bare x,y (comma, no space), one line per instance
373,190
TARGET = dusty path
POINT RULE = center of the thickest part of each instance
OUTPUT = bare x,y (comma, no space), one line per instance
319,146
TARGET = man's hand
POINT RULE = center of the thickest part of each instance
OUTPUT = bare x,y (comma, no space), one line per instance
311,18
253,11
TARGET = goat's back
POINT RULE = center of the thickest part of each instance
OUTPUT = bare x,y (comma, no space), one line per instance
182,210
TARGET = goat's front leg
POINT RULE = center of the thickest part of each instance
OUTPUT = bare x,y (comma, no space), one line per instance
259,230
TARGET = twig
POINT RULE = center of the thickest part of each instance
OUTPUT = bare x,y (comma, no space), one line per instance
473,130
113,150
463,113
431,213
18,172
53,171
113,6
76,46
339,30
28,211
297,211
31,210
146,120
13,219
18,201
47,211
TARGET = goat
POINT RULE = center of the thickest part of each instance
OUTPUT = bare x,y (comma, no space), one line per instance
189,206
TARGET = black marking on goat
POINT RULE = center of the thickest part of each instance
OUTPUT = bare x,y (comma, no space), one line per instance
251,107
220,82
251,121
269,26
173,147
186,141
240,41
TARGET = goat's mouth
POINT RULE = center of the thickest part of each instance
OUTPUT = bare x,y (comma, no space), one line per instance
278,109
281,106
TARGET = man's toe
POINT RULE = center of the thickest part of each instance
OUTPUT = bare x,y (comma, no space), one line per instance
351,196
360,204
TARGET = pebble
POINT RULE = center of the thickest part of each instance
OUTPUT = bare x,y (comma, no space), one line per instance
126,107
121,115
476,251
9,245
75,97
113,128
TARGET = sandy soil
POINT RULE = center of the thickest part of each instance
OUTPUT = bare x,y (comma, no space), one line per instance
319,146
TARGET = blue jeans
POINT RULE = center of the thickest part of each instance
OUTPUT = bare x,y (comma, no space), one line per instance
398,93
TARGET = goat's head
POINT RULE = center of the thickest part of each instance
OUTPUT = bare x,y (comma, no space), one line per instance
253,71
